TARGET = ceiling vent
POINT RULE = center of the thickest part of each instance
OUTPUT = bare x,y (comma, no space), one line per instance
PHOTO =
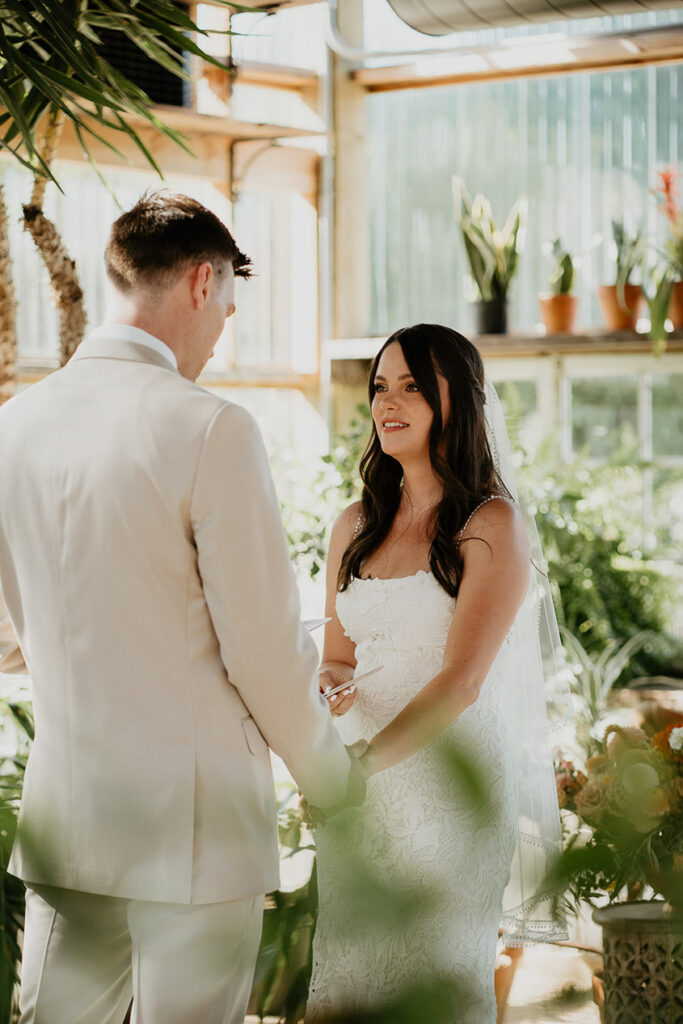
441,17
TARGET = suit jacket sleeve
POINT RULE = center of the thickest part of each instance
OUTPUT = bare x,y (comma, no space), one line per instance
252,597
11,658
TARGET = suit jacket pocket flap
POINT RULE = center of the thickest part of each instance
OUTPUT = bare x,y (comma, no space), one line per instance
253,736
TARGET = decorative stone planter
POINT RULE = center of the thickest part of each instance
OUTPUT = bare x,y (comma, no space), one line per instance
643,963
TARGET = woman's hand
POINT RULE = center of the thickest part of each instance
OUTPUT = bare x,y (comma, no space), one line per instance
329,678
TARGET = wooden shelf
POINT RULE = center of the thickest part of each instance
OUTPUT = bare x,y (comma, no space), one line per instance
190,122
209,138
491,346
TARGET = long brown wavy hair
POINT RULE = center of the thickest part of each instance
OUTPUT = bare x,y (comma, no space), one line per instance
458,449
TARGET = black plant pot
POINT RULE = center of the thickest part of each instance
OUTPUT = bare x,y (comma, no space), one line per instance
492,316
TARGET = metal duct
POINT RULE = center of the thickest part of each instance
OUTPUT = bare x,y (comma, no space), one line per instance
441,17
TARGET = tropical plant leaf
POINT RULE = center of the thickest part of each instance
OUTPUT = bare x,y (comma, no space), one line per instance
493,255
618,661
51,58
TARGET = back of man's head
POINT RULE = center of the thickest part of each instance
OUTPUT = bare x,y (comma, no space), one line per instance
152,245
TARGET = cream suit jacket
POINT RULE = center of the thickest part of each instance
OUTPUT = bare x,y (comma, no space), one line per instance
148,589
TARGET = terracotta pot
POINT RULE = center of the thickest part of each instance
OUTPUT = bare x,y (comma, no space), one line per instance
676,306
558,312
504,976
599,994
643,962
618,318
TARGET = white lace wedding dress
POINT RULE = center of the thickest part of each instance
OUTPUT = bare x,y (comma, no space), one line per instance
419,833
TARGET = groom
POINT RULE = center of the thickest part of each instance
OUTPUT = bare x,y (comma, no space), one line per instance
148,591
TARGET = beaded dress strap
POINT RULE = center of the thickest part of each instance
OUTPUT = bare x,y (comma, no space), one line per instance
494,497
359,523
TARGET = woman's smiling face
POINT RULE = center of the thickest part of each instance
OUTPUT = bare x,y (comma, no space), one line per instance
402,415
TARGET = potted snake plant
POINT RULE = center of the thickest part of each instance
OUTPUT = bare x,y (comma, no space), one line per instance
492,254
558,307
621,301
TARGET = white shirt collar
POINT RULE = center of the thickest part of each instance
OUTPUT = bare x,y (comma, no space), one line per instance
126,332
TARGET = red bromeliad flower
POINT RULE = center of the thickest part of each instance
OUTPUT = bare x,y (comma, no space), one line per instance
670,742
668,190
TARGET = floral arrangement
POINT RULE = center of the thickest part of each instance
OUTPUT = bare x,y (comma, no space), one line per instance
668,198
629,805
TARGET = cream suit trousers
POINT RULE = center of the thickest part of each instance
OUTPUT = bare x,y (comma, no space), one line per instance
86,956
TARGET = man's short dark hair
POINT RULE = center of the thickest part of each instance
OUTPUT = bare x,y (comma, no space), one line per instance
152,244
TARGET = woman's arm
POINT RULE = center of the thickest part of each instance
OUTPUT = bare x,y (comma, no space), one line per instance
494,583
339,652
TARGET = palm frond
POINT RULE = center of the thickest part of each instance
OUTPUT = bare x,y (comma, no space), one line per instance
51,58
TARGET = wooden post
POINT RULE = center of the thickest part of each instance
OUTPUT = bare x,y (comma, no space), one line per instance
351,307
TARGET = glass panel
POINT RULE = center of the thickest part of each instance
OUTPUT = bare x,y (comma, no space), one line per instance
667,415
294,37
83,214
276,324
519,399
582,148
604,417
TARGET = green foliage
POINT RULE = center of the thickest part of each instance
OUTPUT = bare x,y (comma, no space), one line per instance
493,255
593,680
604,589
562,276
309,514
51,60
283,967
673,249
12,768
346,454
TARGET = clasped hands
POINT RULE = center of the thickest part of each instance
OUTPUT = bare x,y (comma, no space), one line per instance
355,792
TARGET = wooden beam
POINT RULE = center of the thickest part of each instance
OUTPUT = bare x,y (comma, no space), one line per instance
352,269
497,63
272,5
258,165
274,76
33,370
191,123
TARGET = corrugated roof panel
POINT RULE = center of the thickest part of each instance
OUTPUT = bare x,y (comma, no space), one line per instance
441,17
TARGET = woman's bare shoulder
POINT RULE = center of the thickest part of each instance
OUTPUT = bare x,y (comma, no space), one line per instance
344,526
498,522
347,521
497,512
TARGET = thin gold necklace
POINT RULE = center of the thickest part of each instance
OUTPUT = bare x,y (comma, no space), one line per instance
419,508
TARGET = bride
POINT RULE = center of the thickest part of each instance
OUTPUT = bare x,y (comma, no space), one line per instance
426,577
